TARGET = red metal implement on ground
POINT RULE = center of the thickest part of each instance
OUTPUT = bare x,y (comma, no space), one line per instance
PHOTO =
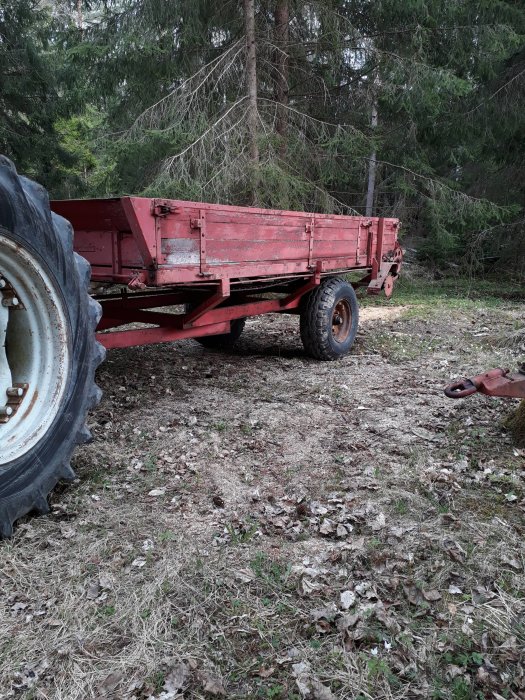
223,263
495,382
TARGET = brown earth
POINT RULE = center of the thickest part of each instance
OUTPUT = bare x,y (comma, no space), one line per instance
261,525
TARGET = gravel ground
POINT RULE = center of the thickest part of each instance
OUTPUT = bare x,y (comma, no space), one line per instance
261,525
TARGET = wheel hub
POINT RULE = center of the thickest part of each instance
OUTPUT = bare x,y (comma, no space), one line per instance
34,353
341,320
10,392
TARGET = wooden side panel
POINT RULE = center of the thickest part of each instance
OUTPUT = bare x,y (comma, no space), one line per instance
177,241
241,236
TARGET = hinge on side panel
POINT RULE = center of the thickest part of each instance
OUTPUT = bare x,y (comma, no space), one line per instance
366,225
310,230
162,207
200,224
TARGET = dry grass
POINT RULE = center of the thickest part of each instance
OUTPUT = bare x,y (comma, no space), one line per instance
515,424
229,500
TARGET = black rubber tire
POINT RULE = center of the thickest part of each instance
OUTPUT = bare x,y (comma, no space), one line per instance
317,315
25,218
224,341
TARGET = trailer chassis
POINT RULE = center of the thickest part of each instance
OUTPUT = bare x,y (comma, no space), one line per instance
212,310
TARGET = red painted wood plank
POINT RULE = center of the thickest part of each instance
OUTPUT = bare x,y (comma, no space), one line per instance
96,246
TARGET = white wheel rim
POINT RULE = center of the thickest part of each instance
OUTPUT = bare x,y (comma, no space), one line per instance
33,351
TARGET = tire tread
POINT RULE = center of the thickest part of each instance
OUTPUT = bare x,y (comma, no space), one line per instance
315,331
33,497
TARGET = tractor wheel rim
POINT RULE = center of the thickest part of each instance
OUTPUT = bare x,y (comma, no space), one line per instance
341,321
34,351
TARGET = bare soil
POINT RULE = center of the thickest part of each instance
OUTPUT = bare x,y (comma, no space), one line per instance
261,525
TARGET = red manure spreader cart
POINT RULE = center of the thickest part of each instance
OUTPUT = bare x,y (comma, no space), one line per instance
77,277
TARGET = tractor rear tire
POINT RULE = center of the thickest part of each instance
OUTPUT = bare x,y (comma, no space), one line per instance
48,350
329,319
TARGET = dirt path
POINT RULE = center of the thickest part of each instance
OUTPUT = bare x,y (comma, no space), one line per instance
261,525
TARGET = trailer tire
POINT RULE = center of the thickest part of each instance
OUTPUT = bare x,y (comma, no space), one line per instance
48,351
224,341
329,319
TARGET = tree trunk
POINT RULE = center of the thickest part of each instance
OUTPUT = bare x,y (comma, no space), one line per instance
80,17
372,166
251,78
282,17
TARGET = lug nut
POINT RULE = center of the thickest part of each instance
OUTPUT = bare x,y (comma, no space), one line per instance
10,301
15,391
6,411
3,283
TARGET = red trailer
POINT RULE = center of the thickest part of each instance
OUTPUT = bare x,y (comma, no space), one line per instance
224,263
132,271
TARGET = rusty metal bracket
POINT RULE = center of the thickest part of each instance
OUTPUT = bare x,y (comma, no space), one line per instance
310,231
162,207
366,225
200,225
222,293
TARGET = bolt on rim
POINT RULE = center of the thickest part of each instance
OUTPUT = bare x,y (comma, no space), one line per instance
34,351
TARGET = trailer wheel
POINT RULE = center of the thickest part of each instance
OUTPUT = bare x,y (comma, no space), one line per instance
48,351
329,319
224,341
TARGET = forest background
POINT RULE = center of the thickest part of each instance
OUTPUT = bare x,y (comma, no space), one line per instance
405,108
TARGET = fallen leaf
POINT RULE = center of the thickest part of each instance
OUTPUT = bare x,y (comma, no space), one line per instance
347,599
347,621
93,590
67,532
157,492
320,691
264,672
307,586
379,523
211,683
107,687
177,678
413,595
105,580
327,527
245,575
513,563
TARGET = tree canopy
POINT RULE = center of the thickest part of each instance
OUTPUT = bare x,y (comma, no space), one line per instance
408,108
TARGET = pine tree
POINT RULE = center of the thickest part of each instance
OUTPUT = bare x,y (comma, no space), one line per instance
160,103
29,97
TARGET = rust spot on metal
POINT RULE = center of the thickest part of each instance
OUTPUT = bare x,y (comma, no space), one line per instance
31,404
341,321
